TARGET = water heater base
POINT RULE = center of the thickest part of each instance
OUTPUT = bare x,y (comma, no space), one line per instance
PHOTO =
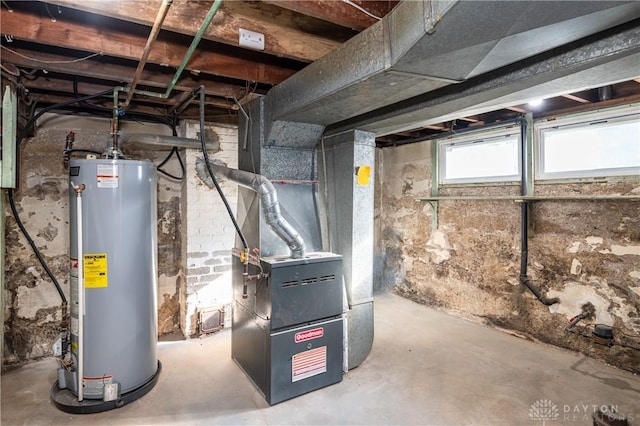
66,401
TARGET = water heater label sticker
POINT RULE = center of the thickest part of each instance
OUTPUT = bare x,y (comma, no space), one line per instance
107,175
308,363
73,267
95,270
95,385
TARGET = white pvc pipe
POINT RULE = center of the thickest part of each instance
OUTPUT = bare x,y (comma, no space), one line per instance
81,304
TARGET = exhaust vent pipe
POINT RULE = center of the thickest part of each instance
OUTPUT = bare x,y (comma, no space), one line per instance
154,140
270,206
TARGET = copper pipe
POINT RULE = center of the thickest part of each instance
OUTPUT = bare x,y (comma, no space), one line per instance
155,30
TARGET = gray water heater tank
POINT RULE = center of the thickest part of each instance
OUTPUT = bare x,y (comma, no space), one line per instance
120,275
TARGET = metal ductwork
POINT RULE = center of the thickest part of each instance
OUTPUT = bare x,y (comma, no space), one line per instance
155,141
424,61
422,46
270,206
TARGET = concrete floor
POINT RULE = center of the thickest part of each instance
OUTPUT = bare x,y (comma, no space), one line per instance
425,368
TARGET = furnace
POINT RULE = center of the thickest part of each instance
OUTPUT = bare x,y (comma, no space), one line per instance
287,323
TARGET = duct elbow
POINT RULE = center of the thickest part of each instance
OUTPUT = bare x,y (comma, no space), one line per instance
270,207
281,227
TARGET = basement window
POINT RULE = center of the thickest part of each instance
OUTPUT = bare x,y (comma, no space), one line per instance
597,145
481,157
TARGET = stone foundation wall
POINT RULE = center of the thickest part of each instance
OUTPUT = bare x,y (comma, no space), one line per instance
580,251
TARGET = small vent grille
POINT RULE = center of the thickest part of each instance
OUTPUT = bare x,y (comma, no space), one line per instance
309,280
211,320
327,278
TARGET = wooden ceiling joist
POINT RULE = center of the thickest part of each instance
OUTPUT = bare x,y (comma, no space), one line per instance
118,74
469,119
57,85
576,98
517,109
113,42
283,37
339,12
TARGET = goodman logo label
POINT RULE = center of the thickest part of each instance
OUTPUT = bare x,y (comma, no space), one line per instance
309,334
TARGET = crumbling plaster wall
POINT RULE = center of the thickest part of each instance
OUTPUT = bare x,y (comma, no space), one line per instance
579,251
33,307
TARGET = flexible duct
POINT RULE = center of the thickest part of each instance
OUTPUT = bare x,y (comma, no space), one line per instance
270,207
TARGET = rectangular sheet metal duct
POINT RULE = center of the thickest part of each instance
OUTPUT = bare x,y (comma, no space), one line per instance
425,45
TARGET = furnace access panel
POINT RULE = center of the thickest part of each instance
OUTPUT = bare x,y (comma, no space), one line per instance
288,332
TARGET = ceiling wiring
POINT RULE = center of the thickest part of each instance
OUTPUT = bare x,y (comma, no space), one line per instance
72,61
361,9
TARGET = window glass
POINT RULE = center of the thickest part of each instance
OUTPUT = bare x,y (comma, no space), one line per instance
597,147
492,157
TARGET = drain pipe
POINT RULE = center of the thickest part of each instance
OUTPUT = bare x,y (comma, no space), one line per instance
270,206
524,219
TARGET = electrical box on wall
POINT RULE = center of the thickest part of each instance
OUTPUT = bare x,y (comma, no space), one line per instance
251,39
8,150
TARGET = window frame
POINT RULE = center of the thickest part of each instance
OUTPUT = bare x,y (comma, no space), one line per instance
474,137
625,114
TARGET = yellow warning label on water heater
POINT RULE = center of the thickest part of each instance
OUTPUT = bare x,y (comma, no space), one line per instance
95,270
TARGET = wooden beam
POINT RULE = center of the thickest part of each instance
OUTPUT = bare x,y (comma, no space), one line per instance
283,32
589,107
213,114
437,127
52,84
576,98
339,12
469,119
115,42
516,109
118,74
637,80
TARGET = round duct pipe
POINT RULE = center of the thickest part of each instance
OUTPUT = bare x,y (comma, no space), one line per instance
148,140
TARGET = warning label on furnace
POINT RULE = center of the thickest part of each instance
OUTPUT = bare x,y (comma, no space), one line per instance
95,270
107,176
308,363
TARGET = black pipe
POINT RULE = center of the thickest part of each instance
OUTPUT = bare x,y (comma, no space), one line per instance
212,174
10,191
524,222
84,151
175,151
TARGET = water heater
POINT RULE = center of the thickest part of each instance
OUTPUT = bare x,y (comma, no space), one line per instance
113,282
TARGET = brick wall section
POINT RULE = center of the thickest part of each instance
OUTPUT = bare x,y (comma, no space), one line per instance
208,233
